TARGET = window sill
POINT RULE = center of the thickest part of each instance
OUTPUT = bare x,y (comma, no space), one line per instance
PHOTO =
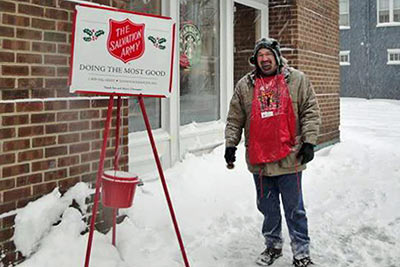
394,63
344,27
344,64
388,24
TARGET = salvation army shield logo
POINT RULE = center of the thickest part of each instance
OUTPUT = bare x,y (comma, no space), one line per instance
125,40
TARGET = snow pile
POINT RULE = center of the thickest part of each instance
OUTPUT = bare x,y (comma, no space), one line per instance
351,195
34,221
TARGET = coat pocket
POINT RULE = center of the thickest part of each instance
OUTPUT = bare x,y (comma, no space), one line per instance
291,161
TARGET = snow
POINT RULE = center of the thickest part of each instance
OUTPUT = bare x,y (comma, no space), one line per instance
351,193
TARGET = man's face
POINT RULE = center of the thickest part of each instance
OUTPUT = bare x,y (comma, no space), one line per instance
266,61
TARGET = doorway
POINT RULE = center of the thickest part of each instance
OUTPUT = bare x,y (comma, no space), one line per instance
247,28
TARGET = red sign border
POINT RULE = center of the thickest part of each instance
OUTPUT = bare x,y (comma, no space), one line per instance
122,11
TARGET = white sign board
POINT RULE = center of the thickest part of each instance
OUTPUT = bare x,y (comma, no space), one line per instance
121,52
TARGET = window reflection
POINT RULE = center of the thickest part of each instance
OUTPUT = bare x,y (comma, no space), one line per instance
199,61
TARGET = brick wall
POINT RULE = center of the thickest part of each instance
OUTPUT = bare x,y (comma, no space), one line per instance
309,32
48,137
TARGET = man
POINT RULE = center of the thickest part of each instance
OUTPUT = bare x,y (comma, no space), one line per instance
277,108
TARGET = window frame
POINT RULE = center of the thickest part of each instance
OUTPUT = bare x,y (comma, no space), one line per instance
391,52
391,15
344,53
345,27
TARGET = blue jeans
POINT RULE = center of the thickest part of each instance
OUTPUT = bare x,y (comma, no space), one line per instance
289,187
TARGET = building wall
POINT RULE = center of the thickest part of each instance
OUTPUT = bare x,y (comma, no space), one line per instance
48,137
309,35
368,74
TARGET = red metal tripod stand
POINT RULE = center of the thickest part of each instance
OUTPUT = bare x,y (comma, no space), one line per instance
116,165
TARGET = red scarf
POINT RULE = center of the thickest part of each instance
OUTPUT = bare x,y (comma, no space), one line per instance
272,121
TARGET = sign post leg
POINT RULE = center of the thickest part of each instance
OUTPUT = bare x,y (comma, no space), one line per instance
99,174
116,164
164,184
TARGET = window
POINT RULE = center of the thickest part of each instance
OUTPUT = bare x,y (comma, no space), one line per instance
344,19
393,57
389,12
344,58
153,105
199,61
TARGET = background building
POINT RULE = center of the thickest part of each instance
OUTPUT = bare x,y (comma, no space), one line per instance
370,48
50,138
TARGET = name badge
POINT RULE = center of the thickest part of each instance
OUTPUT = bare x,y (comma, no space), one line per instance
267,114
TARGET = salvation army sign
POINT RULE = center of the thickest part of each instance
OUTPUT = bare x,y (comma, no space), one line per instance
121,52
126,40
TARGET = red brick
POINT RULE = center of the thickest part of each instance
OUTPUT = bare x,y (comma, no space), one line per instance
64,49
29,179
17,194
68,138
89,114
30,155
63,92
7,31
6,207
14,94
43,93
43,24
43,47
56,151
30,10
15,45
79,104
29,106
15,120
43,71
67,116
55,60
62,71
9,221
7,158
7,6
6,184
78,126
55,105
44,141
55,175
29,58
103,103
43,165
56,128
15,170
30,83
56,83
29,34
56,14
6,234
79,148
43,118
6,83
6,108
30,131
91,156
68,161
55,37
42,189
50,3
7,57
79,169
15,20
16,145
7,133
65,184
15,70
88,136
64,26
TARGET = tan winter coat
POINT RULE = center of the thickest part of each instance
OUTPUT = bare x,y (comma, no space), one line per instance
306,110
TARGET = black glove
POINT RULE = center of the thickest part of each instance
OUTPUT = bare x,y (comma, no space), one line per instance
230,154
306,153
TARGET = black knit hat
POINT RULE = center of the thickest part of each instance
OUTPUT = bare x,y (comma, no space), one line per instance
271,44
